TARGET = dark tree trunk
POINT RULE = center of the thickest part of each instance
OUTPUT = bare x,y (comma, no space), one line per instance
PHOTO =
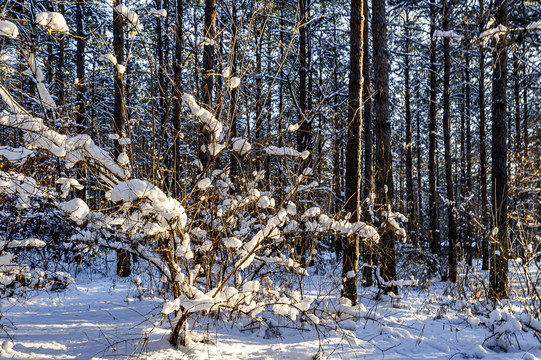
337,148
410,203
482,148
161,65
177,94
368,181
419,177
518,129
383,162
469,229
234,92
447,144
304,132
60,69
79,85
350,258
500,240
432,168
123,257
207,77
525,136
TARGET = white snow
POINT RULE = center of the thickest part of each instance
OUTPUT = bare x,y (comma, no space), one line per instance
234,82
124,141
158,13
66,184
227,72
109,57
76,208
291,208
123,158
241,146
204,183
130,15
293,127
8,29
121,69
16,156
232,242
446,34
264,202
52,21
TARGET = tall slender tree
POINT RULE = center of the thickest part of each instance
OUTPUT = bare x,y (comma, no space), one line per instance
304,132
123,257
176,96
482,145
432,166
207,80
500,240
410,203
452,231
80,116
368,135
383,161
350,257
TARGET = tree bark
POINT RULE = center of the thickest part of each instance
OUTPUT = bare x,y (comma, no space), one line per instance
207,77
447,144
350,258
304,132
384,168
500,240
123,257
482,148
432,168
79,85
176,98
368,134
410,203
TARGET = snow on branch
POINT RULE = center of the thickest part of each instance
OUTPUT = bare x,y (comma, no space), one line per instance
8,29
130,15
158,13
451,34
496,32
286,151
53,21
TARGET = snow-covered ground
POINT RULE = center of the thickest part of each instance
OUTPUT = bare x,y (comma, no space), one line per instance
105,319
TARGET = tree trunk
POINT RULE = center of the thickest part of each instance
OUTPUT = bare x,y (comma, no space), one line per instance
469,229
304,132
79,85
482,148
432,168
500,240
384,173
177,94
447,143
350,258
235,165
123,257
368,183
419,177
60,69
516,79
410,203
207,77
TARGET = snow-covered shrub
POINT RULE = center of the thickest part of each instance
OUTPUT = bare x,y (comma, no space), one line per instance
220,246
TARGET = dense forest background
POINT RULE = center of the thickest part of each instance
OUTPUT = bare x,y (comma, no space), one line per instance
213,144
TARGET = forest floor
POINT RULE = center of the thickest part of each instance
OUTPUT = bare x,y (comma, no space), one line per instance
107,319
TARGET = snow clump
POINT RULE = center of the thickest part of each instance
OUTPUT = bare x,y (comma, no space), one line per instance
52,21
